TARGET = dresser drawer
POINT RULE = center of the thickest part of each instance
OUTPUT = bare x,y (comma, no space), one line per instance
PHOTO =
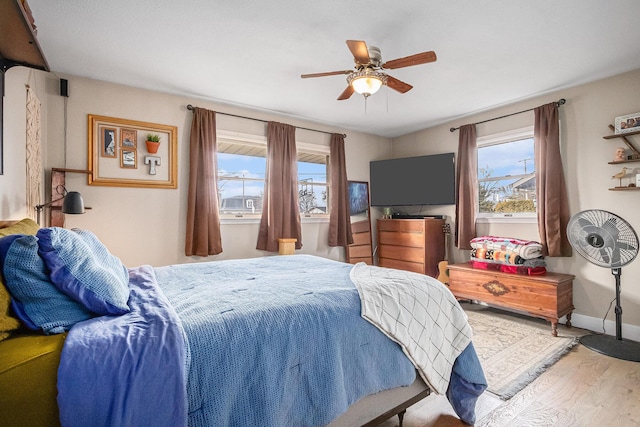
415,240
401,225
401,265
404,253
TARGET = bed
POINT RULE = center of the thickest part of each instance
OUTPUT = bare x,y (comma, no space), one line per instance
281,340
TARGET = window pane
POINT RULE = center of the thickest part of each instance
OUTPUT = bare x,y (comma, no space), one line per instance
312,172
506,178
312,188
240,183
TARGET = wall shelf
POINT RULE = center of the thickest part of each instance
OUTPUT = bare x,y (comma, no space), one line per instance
18,47
621,135
635,156
624,161
625,189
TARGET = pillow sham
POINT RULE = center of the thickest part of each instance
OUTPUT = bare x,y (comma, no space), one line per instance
9,323
35,300
82,267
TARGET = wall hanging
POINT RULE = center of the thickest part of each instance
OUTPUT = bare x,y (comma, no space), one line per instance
119,155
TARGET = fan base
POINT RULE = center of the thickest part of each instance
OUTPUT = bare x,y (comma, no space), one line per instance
610,346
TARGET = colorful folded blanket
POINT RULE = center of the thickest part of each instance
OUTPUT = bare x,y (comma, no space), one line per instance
506,257
526,249
504,268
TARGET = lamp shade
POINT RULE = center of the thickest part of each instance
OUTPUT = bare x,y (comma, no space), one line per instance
73,203
366,85
366,82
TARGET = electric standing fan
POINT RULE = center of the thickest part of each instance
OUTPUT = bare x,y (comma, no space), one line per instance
606,240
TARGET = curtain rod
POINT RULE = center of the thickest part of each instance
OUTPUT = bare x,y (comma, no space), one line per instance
191,107
560,102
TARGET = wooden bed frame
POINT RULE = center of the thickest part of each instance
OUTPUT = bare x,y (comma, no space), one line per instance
376,408
368,411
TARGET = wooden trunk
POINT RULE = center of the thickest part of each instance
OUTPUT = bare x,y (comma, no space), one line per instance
549,296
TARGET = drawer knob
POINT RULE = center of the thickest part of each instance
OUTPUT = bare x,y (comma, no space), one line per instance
495,288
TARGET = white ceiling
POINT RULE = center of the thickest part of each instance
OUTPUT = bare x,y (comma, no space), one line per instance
251,53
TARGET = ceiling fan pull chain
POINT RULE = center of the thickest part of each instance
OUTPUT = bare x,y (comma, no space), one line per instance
386,92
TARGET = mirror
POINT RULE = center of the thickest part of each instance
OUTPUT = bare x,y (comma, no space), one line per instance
361,248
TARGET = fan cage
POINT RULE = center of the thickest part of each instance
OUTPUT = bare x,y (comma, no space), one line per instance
603,238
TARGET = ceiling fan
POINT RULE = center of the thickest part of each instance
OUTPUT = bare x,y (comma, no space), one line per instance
368,76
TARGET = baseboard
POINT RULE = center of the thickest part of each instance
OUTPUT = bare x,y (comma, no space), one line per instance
594,324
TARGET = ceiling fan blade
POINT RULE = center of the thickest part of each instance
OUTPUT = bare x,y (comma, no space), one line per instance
330,73
408,61
359,51
398,85
346,94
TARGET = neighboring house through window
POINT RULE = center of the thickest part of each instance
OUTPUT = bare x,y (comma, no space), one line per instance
241,176
506,176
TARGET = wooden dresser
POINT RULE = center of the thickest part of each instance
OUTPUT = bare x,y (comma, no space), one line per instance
411,244
549,296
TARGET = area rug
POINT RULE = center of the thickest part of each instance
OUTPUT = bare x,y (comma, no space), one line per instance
514,350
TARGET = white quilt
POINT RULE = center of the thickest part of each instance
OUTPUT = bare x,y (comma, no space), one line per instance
419,313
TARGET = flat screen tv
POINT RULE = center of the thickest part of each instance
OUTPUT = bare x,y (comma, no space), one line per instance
412,181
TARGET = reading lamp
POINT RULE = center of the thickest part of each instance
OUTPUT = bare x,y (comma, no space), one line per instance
72,203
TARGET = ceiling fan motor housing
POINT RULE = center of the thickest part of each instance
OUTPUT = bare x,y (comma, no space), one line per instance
375,56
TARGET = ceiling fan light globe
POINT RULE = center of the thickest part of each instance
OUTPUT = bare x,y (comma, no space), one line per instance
366,85
366,82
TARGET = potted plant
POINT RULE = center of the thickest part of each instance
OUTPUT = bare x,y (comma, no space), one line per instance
153,142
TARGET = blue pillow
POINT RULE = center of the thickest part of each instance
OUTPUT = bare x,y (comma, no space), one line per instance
82,267
35,300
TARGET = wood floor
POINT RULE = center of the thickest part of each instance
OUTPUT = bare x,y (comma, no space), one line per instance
582,389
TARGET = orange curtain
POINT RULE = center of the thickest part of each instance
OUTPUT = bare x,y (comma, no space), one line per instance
339,220
203,217
551,191
280,207
467,182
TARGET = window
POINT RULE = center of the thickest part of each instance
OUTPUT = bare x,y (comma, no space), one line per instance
506,175
241,176
313,185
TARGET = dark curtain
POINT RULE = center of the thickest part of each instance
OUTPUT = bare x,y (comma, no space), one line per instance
467,190
203,218
551,191
280,207
339,220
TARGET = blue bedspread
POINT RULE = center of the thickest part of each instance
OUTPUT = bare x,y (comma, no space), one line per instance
278,341
272,341
127,370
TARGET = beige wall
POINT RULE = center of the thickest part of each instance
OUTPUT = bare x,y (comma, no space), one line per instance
141,225
146,226
584,120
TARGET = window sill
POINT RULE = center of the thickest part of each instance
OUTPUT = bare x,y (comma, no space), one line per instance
507,220
256,220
